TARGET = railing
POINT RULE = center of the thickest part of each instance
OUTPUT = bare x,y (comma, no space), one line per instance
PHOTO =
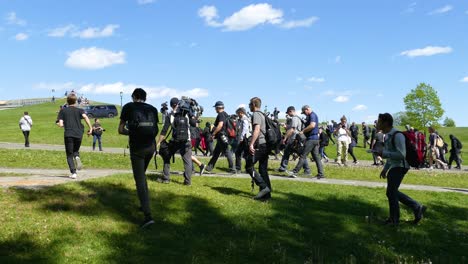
23,102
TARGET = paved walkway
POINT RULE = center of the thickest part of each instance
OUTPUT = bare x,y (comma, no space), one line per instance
39,178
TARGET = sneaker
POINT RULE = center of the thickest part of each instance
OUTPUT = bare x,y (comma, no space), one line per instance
281,170
419,214
73,176
321,177
262,193
208,168
148,221
202,169
292,174
161,180
79,165
234,172
356,162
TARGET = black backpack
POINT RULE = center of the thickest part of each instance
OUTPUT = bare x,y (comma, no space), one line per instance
412,157
272,134
459,144
180,127
144,122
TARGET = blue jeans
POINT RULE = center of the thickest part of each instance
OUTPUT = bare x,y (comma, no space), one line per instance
98,138
311,145
394,178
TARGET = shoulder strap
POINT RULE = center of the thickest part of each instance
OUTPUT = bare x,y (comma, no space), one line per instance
394,136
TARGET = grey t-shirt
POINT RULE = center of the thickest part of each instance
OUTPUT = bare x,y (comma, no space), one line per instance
296,123
259,119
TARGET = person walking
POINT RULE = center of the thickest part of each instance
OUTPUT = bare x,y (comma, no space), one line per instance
434,149
258,152
312,144
243,133
25,124
395,170
343,139
208,139
351,150
324,142
142,122
69,118
97,134
455,152
365,134
222,142
354,132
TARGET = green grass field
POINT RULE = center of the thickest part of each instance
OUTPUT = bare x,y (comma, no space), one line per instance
216,221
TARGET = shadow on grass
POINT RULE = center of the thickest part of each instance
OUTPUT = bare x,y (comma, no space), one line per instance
291,228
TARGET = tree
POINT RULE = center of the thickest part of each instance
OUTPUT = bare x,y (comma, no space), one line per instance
449,122
400,119
423,107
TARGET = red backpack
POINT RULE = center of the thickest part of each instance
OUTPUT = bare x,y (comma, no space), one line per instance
231,126
414,155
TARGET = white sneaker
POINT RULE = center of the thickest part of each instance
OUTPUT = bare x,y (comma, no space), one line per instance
79,165
73,176
262,193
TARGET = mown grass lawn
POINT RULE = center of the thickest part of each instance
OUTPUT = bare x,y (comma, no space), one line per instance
216,221
56,160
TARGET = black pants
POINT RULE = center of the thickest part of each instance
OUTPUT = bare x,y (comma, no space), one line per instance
197,146
288,150
240,148
330,137
185,150
351,152
261,178
140,158
394,178
209,146
454,156
221,147
72,149
26,137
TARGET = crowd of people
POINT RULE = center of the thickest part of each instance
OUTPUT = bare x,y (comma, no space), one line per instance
247,137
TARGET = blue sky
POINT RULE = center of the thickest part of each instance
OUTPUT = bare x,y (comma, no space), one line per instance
357,58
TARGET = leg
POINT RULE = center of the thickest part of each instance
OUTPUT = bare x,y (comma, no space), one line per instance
216,153
262,157
99,142
318,160
140,159
26,138
76,147
285,158
228,153
186,153
338,152
303,157
94,141
69,152
344,152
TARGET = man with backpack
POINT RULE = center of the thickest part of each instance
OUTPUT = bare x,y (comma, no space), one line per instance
222,142
179,122
455,152
139,121
258,151
354,132
293,127
312,144
394,171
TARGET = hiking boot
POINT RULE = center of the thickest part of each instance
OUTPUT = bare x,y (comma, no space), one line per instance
419,214
79,165
73,176
234,172
208,168
321,177
262,193
281,170
161,180
148,221
202,169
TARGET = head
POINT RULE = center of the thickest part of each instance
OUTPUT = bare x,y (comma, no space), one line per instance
343,119
306,110
451,136
353,124
139,95
291,111
71,99
174,103
385,122
219,106
363,123
208,124
320,130
241,112
255,104
26,113
96,120
431,129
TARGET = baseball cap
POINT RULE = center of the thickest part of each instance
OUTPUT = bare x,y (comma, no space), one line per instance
219,104
174,101
304,108
291,108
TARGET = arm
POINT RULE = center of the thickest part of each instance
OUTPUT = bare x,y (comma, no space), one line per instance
255,134
60,123
90,130
164,130
309,127
218,129
245,129
400,146
122,130
288,134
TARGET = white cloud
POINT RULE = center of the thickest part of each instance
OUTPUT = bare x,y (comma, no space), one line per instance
300,23
411,8
341,99
94,58
145,2
68,86
427,51
316,79
360,108
464,79
21,36
441,10
370,119
94,32
12,19
88,33
251,16
61,31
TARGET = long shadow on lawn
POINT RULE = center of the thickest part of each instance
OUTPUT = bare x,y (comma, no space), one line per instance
292,228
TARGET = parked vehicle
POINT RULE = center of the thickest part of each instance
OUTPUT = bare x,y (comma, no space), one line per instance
101,111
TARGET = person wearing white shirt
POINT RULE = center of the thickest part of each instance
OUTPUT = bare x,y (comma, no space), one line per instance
25,124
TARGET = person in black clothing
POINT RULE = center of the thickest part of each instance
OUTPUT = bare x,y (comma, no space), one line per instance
354,132
329,130
455,152
222,143
179,121
258,152
366,134
208,139
142,144
196,134
70,119
351,150
324,142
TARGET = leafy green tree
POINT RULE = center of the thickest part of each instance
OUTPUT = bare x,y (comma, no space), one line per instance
400,119
423,107
449,122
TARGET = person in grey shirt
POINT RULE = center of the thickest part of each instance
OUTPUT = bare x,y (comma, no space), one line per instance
394,171
258,152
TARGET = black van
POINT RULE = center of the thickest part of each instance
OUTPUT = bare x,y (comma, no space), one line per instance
101,111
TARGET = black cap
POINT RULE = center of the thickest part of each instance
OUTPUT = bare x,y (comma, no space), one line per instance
291,108
219,104
174,101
